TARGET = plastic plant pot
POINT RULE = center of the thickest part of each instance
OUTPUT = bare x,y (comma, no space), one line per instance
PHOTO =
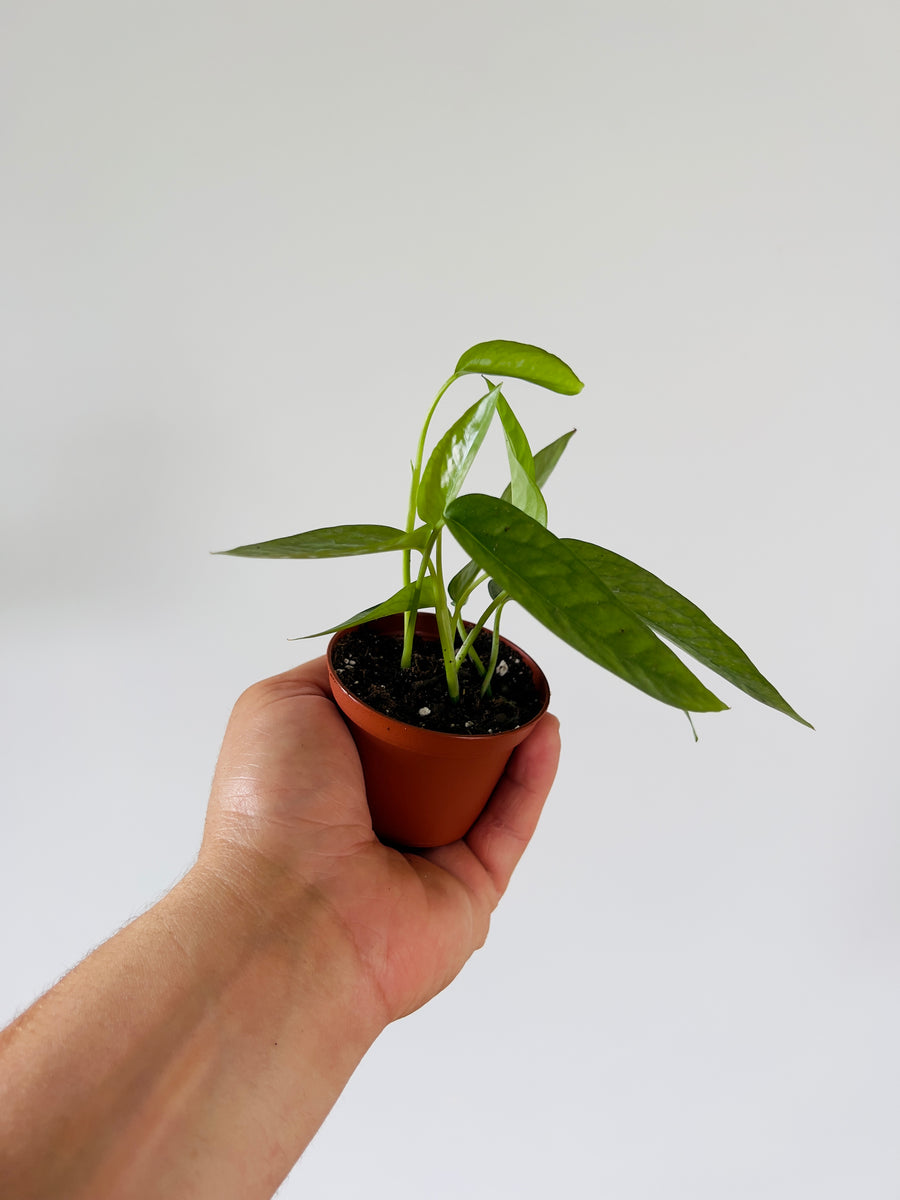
426,788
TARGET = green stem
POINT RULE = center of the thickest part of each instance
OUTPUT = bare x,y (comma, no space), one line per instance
445,623
464,598
458,621
473,653
409,623
495,653
478,626
417,475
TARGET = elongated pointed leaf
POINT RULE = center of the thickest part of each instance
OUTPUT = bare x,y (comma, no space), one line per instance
544,462
400,602
463,580
546,459
675,617
335,541
549,580
524,491
449,464
519,360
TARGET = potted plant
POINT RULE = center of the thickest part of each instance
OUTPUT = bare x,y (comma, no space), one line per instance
436,702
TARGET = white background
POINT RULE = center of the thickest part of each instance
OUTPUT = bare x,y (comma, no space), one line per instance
243,244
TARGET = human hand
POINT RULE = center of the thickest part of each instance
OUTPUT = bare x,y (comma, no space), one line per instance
288,819
199,1049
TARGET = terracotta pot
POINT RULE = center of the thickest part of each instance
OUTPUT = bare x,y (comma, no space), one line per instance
426,788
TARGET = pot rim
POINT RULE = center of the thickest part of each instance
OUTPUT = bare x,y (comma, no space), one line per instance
540,680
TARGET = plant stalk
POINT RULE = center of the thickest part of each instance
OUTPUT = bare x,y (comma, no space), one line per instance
495,654
445,623
477,627
409,624
409,617
417,475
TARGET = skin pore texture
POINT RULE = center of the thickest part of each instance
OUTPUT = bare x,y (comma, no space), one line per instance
196,1053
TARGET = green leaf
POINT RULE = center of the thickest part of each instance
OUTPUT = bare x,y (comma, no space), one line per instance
463,580
524,491
682,622
550,581
544,462
400,602
518,360
335,541
449,464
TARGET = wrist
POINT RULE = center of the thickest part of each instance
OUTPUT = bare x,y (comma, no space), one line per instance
249,918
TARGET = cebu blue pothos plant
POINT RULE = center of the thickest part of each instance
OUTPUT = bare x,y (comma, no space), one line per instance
602,604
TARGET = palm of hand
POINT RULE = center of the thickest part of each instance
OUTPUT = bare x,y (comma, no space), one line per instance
289,787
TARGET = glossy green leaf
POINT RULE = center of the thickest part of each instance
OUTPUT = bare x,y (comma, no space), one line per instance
335,541
518,360
463,580
544,462
524,491
682,622
449,463
400,602
549,580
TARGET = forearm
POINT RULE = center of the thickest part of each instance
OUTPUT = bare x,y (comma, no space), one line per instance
195,1054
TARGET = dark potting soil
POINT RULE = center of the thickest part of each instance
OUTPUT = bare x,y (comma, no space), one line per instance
368,665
